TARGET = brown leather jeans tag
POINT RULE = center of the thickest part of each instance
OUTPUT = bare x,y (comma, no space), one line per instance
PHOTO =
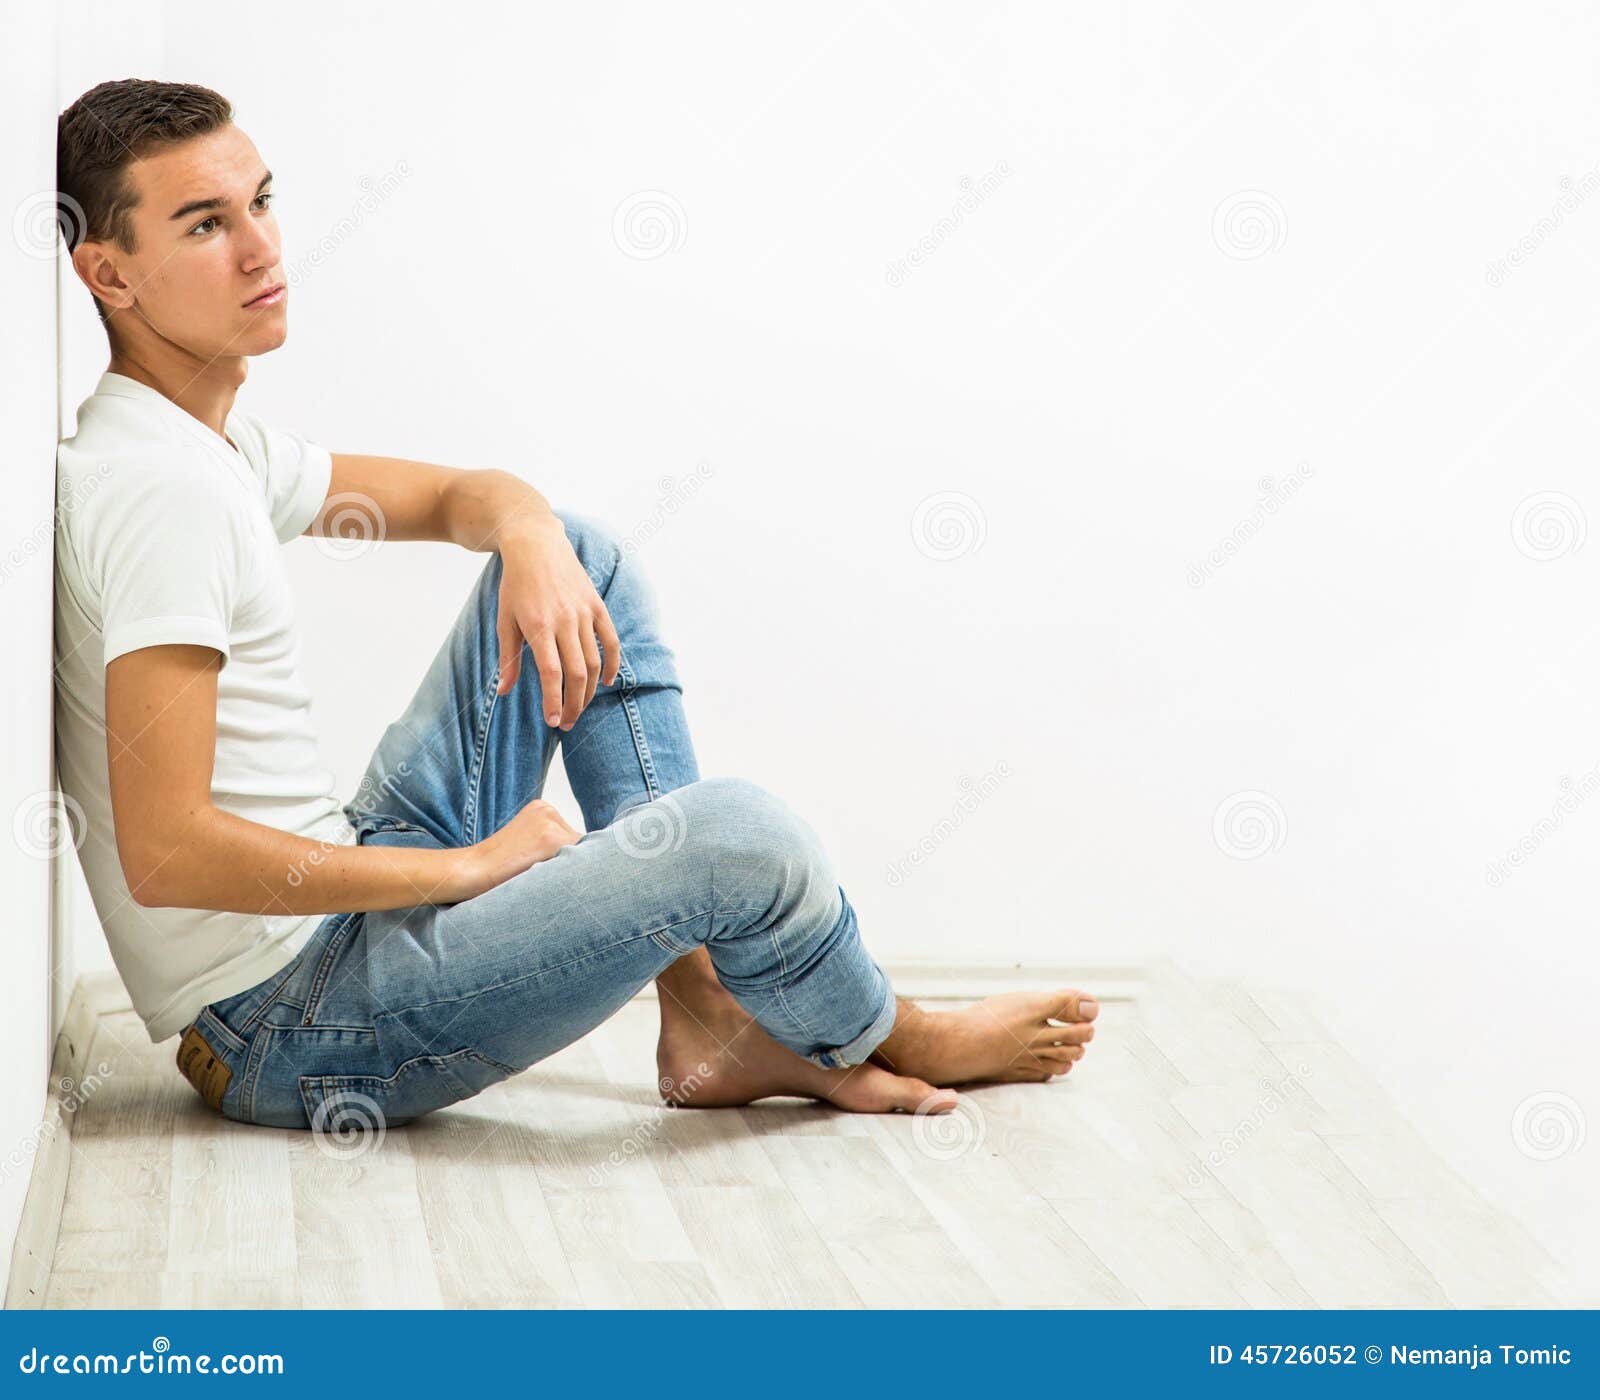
198,1063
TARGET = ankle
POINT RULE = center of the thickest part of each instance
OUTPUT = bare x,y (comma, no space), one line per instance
911,1024
691,975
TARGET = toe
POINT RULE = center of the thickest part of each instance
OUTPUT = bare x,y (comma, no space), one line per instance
1073,1005
918,1097
1058,1054
1079,1033
1044,1064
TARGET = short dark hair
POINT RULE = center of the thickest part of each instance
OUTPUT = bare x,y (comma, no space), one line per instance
106,130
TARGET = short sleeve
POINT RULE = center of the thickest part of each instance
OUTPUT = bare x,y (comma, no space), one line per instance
295,471
168,561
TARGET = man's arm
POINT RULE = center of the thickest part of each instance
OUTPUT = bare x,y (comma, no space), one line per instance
545,595
180,850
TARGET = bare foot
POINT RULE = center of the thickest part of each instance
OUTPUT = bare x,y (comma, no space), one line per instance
712,1054
1003,1039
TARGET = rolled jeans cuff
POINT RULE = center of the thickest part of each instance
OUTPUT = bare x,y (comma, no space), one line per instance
857,1050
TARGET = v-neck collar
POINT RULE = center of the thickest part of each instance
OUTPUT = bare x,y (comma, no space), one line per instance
121,386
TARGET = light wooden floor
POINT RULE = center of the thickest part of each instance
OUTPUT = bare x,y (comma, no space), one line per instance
1088,1192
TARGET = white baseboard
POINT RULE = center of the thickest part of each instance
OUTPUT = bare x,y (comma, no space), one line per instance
40,1222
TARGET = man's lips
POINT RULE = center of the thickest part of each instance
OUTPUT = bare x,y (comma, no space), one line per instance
271,297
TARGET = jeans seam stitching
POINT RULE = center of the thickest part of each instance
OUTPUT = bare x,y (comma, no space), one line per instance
475,777
641,745
252,1074
320,978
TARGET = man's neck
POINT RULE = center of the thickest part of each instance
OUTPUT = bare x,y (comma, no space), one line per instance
204,390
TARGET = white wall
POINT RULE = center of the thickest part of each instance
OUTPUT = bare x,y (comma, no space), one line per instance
27,449
1208,250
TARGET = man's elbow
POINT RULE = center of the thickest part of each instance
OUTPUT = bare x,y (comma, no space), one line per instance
159,870
150,887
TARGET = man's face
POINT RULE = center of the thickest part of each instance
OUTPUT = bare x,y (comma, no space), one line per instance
208,247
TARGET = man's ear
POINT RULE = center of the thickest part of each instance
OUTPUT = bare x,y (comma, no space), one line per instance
95,262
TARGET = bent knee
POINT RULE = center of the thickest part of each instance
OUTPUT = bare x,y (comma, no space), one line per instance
597,545
759,847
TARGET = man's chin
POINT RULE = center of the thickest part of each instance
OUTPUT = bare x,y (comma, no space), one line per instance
262,339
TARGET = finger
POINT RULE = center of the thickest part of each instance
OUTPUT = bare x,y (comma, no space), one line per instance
548,660
610,644
591,659
575,672
510,658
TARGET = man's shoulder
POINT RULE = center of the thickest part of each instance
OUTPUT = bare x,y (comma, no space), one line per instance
119,440
120,472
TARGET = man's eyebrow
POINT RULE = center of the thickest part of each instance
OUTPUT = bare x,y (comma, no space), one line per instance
195,206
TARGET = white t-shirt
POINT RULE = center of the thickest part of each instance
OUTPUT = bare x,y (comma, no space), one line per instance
166,533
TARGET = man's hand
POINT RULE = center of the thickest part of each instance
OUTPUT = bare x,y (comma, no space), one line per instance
545,595
547,599
535,834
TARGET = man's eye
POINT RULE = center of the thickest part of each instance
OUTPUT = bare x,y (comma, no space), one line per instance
200,227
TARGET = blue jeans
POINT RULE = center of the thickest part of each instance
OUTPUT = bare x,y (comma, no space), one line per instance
387,1015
